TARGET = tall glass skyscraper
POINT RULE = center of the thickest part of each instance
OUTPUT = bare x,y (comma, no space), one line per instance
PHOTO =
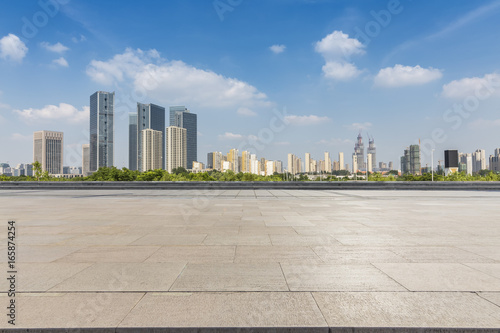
132,141
102,135
181,117
149,116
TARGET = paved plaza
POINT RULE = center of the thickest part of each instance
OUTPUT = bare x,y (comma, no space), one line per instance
117,259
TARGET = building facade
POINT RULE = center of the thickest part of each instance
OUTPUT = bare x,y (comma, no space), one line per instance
132,141
180,116
150,116
86,160
176,150
101,130
152,149
359,151
410,161
48,149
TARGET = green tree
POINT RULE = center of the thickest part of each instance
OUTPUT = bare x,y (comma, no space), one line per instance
37,167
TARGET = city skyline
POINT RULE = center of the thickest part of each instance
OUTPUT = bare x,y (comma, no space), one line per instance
328,78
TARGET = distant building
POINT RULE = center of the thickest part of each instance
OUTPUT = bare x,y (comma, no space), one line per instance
214,161
294,164
495,161
466,160
150,116
197,167
478,160
307,163
85,160
410,162
450,161
48,150
180,116
355,163
391,166
328,163
245,162
232,157
151,150
101,130
341,161
372,150
369,164
176,150
359,151
132,141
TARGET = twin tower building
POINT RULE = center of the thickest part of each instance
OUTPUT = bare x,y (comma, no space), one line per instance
152,145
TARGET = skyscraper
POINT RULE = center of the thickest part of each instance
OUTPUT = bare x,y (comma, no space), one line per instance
85,159
245,162
341,161
478,160
410,162
232,157
101,130
369,163
495,161
132,141
328,163
181,117
48,150
372,150
152,145
307,163
359,150
354,163
150,116
176,151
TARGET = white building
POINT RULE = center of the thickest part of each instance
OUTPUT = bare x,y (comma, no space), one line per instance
151,148
176,148
48,148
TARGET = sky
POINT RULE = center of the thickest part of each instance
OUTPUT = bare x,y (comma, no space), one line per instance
270,76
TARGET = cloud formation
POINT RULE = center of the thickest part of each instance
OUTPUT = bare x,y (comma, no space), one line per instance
63,111
175,82
337,49
400,75
359,126
278,48
305,120
56,48
246,112
480,87
61,62
12,48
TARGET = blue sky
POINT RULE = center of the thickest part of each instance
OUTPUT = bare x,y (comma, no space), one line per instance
275,77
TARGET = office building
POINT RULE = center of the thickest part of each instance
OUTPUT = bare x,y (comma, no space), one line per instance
85,160
214,161
180,116
391,166
410,162
341,161
48,149
359,150
150,116
151,150
450,161
101,130
176,150
132,141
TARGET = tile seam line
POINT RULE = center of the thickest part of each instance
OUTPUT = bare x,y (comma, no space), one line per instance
390,277
131,309
479,295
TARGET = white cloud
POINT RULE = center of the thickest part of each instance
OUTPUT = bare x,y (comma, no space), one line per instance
338,45
175,82
337,48
20,137
246,112
53,112
61,62
57,47
482,124
231,136
340,71
400,75
11,47
472,86
305,120
334,142
278,48
359,126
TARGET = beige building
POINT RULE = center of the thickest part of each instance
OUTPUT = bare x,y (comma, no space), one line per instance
198,167
341,161
152,145
245,162
369,158
307,163
176,148
354,163
232,157
48,147
85,159
328,163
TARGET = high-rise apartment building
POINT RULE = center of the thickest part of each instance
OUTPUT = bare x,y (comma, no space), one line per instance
369,163
495,161
150,116
85,160
101,130
294,164
152,149
48,149
466,161
180,116
245,162
176,150
328,163
478,160
410,162
307,162
233,157
355,163
359,150
341,161
132,141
